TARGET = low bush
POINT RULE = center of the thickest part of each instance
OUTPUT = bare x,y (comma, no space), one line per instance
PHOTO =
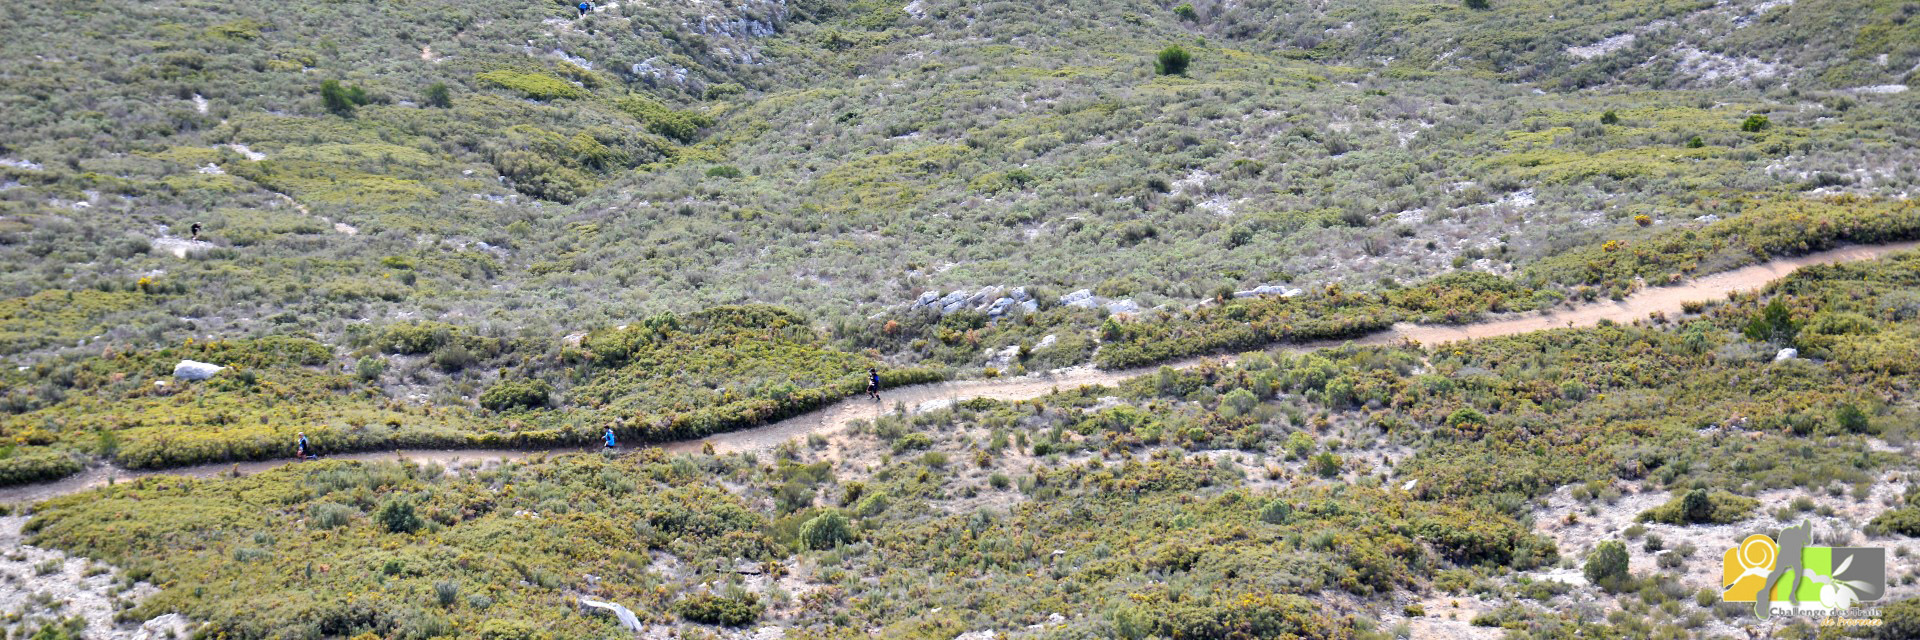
728,611
1607,565
36,464
510,395
1698,506
1173,61
538,86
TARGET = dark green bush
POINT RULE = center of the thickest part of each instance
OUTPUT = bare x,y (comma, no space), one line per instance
439,96
509,395
827,530
1698,506
1607,565
338,99
706,608
396,514
36,465
1899,620
1774,324
1904,521
1173,61
1276,512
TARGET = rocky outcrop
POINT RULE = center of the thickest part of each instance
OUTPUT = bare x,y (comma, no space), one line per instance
1268,290
195,370
990,300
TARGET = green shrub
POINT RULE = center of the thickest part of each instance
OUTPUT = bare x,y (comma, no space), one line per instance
1904,521
538,86
1610,117
1326,464
910,442
1900,619
370,368
1173,61
1607,565
1754,123
1774,324
723,171
330,515
340,100
439,96
1186,12
500,629
1698,506
826,531
516,394
447,592
396,514
682,126
36,465
416,337
1276,511
733,611
1851,419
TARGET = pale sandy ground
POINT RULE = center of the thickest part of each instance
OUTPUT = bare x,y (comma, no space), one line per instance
68,591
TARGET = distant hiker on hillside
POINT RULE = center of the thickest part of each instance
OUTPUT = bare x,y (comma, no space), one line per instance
196,232
304,450
873,384
608,436
585,8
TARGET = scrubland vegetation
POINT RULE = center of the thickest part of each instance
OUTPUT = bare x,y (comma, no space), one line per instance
497,224
1305,494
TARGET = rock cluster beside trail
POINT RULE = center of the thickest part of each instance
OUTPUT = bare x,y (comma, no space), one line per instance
997,301
1085,298
993,301
1269,290
195,370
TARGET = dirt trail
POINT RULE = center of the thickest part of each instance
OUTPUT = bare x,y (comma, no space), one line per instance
831,419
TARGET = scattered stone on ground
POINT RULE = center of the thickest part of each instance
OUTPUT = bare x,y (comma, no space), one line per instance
48,585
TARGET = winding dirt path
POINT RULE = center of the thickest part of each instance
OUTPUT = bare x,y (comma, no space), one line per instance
833,418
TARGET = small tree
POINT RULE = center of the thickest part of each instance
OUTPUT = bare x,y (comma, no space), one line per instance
1696,507
1607,565
336,98
1173,61
1774,324
439,96
1237,403
370,368
1754,123
826,531
1276,512
1186,12
396,514
1851,418
1609,117
1695,142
